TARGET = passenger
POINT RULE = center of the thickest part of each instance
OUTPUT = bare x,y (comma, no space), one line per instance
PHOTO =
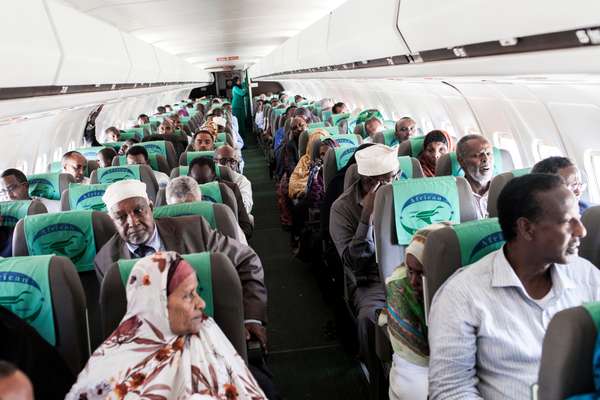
475,155
373,126
125,146
140,235
143,119
406,323
225,156
404,129
568,171
203,140
166,128
22,345
161,110
75,164
238,141
13,186
351,228
299,177
488,321
315,187
259,116
280,133
14,384
165,346
298,98
436,144
339,108
138,155
112,134
105,157
274,103
283,97
202,169
89,133
168,108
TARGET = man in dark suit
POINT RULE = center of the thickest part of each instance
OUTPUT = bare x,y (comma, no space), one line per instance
139,235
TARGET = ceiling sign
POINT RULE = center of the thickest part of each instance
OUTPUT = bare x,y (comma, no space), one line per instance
230,58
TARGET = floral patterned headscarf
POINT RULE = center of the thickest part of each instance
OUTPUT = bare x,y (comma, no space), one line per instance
143,358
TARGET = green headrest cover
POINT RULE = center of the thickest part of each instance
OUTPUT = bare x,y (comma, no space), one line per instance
114,145
406,167
202,265
118,173
316,125
152,161
416,145
478,238
89,153
191,155
337,118
389,137
132,133
87,197
67,233
45,185
155,147
203,208
14,210
211,192
422,202
521,171
221,137
55,166
326,115
367,115
343,155
25,291
349,139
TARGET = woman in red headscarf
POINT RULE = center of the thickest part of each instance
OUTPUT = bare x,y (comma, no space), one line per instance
436,144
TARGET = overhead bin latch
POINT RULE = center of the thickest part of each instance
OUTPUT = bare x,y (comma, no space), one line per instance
508,42
588,36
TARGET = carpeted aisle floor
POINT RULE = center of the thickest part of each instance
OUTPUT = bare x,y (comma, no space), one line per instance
305,354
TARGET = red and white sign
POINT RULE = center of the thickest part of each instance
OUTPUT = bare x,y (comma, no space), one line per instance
230,58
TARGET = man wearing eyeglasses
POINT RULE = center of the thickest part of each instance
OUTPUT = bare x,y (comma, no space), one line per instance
225,156
351,228
13,186
405,128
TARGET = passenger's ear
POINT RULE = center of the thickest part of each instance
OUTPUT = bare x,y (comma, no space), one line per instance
525,228
151,205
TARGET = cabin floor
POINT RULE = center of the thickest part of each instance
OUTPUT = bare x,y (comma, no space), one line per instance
306,354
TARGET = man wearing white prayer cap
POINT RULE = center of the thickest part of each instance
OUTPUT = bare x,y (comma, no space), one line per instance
139,235
351,228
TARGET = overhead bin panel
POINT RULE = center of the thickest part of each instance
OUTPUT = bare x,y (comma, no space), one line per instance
312,45
30,51
364,30
290,54
169,68
93,51
144,65
437,24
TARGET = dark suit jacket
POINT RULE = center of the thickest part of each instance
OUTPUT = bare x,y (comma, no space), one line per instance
192,234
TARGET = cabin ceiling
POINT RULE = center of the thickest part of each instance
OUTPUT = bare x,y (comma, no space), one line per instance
203,32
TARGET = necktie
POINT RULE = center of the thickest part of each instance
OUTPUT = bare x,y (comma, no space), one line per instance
143,251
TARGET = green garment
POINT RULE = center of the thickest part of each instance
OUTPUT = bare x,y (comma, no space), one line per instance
238,108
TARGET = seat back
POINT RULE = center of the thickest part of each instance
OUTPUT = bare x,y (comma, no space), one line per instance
336,159
448,163
411,147
46,292
187,156
83,197
161,147
222,172
49,185
387,137
410,168
218,216
15,210
450,248
408,205
212,192
590,244
155,161
139,172
218,284
496,186
567,364
90,153
132,133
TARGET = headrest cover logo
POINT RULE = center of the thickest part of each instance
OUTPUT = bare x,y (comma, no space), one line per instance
491,242
63,239
27,304
424,209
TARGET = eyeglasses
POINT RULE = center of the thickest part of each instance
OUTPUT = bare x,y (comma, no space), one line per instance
10,189
226,161
577,185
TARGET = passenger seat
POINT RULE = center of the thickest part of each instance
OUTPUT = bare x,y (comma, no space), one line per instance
590,244
496,186
49,187
448,163
138,172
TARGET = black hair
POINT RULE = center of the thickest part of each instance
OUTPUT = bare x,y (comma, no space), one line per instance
18,174
108,152
519,199
143,116
202,130
337,106
161,109
7,369
202,161
551,165
137,150
434,136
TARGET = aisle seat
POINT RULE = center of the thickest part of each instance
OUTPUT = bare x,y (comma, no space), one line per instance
155,161
213,192
411,147
48,295
496,186
15,210
142,173
49,187
222,172
188,156
84,197
218,285
219,216
336,159
410,204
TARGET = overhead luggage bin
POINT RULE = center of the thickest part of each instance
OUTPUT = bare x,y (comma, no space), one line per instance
144,65
312,45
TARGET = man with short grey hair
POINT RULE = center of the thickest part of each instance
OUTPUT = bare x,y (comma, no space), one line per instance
475,155
183,189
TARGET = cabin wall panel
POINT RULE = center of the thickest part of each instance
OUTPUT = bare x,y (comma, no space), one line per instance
30,50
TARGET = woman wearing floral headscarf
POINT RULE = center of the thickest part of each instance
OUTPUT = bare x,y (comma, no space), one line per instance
406,322
165,347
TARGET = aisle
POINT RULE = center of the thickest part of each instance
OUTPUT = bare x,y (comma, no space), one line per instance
305,356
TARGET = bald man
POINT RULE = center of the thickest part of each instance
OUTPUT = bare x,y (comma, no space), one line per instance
14,384
226,156
75,164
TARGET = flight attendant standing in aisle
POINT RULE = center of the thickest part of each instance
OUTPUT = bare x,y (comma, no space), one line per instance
238,105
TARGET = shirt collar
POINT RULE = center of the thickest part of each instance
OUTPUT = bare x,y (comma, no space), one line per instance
503,275
153,242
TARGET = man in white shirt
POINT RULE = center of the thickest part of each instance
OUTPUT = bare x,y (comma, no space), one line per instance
475,155
75,164
488,321
138,155
225,155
